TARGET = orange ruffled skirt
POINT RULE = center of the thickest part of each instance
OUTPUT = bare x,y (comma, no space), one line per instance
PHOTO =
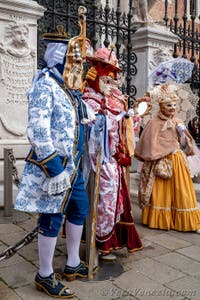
173,203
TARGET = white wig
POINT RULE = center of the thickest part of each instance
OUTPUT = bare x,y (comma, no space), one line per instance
55,54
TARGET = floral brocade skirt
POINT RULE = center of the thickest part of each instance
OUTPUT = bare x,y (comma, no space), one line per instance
173,203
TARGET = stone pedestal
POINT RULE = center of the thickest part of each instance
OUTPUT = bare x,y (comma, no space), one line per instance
18,62
152,44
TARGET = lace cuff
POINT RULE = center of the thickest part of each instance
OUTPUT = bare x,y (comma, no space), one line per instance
58,184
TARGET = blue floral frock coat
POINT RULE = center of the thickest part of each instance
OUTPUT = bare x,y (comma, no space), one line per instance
52,132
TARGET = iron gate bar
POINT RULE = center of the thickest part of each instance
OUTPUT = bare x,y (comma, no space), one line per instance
189,35
184,28
8,191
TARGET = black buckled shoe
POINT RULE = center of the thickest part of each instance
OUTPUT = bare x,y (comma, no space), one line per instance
52,286
70,273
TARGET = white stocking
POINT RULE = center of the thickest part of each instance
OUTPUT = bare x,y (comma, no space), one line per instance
73,238
46,248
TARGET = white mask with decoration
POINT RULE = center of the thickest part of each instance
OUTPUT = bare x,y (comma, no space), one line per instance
108,85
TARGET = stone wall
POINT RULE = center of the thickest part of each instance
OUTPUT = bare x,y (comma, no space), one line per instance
18,62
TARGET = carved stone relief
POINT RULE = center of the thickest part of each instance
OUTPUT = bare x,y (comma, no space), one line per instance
17,67
158,56
140,11
141,16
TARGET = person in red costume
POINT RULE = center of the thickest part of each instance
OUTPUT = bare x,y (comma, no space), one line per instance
113,133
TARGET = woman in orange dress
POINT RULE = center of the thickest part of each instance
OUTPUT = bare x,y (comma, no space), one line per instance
167,203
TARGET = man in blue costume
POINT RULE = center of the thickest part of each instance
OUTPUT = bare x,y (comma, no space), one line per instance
52,182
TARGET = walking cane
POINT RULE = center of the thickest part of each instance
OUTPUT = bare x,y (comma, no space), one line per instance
94,217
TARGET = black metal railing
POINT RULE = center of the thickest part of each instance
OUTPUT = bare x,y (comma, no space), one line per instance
186,25
105,26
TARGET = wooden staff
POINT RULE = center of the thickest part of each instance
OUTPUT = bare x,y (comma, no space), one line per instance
93,219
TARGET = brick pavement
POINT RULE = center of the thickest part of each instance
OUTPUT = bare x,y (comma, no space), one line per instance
167,268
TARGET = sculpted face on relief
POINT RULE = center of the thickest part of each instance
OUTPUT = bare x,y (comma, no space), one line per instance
159,56
17,67
16,40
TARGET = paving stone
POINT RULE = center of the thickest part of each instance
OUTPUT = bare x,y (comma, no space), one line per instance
62,249
180,262
187,287
142,287
150,274
125,258
151,249
59,263
15,259
33,293
190,237
12,238
9,228
170,242
146,231
124,297
17,216
61,241
28,224
18,274
36,263
161,273
90,290
30,251
136,211
7,293
197,277
192,252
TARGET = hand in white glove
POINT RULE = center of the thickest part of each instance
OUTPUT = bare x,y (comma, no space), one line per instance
180,127
130,112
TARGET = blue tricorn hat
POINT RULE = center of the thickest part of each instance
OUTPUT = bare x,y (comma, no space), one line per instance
57,36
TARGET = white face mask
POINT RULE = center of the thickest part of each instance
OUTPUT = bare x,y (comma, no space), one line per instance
107,85
168,109
55,54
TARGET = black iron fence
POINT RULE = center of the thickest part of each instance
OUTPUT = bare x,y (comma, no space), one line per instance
105,26
186,25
